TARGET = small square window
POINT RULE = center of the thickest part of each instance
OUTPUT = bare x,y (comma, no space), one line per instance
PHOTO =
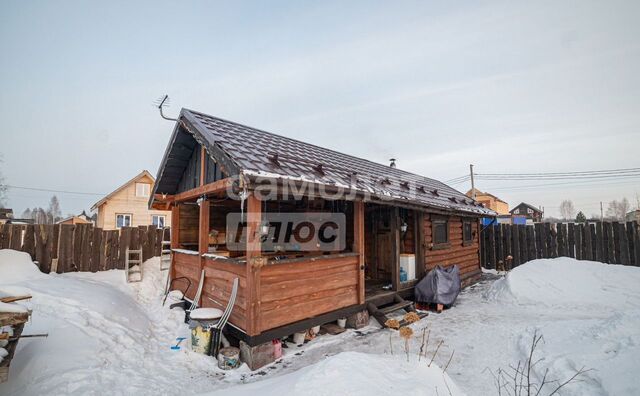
123,220
440,230
143,189
158,220
467,232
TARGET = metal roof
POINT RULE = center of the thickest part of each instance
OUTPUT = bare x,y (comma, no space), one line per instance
254,152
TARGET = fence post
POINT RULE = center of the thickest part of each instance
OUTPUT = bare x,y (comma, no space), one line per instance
524,249
624,245
636,242
599,243
499,244
507,246
492,247
515,233
586,234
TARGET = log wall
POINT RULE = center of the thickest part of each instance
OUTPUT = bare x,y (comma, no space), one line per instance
456,252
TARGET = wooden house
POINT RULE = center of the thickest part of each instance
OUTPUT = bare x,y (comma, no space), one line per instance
394,219
527,211
127,206
489,201
82,218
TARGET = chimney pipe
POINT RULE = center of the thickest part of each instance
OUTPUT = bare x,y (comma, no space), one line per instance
393,162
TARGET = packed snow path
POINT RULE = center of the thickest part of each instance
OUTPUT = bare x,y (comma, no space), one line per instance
110,336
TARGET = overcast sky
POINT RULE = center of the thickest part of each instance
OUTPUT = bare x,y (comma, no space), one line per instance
508,86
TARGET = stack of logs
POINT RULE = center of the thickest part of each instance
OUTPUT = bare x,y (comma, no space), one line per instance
11,326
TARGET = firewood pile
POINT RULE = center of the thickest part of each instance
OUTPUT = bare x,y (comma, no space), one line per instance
12,320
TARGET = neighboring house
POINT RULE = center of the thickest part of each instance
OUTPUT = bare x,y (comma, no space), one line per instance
127,206
6,215
490,201
634,215
397,226
82,218
527,211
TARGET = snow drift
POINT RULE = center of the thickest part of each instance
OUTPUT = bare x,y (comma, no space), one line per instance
565,281
354,373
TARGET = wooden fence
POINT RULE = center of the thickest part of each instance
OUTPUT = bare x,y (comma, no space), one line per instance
509,245
80,247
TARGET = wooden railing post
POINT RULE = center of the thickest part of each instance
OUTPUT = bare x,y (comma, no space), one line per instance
254,264
358,245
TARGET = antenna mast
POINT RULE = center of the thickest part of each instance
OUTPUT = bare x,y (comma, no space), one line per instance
161,103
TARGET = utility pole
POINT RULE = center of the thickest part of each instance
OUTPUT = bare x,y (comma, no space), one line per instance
473,186
601,212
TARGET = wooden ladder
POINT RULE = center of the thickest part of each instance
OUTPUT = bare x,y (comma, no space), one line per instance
381,307
165,256
130,264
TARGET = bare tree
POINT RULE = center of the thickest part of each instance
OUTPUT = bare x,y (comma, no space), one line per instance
567,210
54,212
26,214
617,210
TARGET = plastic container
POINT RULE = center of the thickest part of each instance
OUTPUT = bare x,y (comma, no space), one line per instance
403,275
342,322
200,321
229,358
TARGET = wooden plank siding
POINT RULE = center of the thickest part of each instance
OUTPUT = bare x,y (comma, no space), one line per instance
466,257
218,281
187,265
294,291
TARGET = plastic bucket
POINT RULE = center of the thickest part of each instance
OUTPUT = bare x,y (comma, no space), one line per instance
200,322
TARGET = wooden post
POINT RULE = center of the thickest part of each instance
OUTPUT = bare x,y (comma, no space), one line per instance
358,245
636,242
531,242
616,242
571,241
203,165
600,243
254,264
586,233
516,245
395,231
499,244
203,237
524,246
507,246
624,246
578,237
491,264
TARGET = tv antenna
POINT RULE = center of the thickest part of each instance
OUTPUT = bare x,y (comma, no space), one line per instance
162,102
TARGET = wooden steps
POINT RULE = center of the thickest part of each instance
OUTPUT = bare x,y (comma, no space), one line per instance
381,306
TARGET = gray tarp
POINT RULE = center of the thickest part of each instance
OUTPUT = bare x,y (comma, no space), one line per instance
440,286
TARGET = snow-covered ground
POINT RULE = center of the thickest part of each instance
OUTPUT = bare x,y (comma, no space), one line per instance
107,336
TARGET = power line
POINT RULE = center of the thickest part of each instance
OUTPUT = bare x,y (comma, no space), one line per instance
54,191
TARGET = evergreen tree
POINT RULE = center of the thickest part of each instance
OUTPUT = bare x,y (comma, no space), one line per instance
581,218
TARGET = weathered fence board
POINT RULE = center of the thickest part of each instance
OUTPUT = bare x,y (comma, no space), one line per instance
607,242
80,247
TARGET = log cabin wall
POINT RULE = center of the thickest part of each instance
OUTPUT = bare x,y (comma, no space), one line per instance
305,288
408,238
466,256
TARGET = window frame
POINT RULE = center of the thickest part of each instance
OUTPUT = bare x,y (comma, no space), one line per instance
465,241
124,215
435,221
146,190
164,220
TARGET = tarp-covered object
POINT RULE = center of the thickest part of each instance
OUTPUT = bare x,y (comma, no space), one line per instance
440,286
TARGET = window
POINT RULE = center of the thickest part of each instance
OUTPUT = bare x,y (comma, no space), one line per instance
516,211
142,189
530,211
158,220
123,220
467,232
440,231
